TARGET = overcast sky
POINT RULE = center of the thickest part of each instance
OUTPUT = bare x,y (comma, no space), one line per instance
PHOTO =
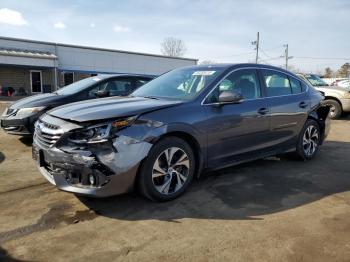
221,31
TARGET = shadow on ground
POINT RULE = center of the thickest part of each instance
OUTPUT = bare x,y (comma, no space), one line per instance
244,191
26,140
2,157
5,257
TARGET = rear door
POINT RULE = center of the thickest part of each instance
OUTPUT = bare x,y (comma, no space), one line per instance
289,105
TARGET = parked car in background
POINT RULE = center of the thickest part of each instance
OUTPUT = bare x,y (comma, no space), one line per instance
335,82
344,84
166,132
19,118
337,98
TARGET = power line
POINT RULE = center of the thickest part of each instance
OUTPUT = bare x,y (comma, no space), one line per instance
268,56
321,58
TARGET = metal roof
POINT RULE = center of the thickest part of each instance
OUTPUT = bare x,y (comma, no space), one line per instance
26,53
95,48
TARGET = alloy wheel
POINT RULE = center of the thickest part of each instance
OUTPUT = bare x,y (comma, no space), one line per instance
310,140
170,170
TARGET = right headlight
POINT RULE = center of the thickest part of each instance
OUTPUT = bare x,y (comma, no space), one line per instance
100,133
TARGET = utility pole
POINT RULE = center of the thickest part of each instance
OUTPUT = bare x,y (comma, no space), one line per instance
256,43
286,55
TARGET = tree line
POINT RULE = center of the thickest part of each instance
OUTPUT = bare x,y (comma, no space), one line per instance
342,72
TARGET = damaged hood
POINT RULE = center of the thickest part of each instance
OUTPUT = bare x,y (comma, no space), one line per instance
107,108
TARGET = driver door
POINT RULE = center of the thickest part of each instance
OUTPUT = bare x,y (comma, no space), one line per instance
237,131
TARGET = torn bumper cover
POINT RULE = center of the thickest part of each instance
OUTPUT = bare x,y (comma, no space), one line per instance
97,170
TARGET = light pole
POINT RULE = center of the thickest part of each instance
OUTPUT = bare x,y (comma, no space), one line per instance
256,43
286,55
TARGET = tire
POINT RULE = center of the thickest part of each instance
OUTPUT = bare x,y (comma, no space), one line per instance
309,140
335,108
161,182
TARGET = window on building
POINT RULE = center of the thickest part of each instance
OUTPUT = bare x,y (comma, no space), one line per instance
68,78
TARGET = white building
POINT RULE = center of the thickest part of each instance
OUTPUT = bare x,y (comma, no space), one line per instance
36,66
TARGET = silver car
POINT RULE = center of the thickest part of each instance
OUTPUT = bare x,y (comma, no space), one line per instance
337,98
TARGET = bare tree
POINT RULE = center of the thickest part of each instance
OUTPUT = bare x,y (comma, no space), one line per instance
173,47
328,72
344,70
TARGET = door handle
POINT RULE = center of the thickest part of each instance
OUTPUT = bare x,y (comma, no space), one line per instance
303,104
263,111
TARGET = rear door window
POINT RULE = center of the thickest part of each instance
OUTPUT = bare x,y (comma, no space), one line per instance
277,84
296,85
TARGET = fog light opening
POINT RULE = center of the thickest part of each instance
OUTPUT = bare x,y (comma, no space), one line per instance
92,179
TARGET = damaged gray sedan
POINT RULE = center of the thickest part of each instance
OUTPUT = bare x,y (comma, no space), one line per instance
174,127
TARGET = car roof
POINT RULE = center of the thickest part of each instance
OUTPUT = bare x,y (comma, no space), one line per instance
106,76
237,65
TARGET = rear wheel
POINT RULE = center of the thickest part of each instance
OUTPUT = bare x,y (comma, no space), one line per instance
335,108
309,140
168,170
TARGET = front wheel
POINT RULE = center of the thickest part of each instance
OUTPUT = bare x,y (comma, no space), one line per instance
309,140
335,109
168,170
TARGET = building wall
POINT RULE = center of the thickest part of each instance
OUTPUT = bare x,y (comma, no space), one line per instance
83,61
78,58
20,78
16,78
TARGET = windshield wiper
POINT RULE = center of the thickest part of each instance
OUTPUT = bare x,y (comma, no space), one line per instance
151,97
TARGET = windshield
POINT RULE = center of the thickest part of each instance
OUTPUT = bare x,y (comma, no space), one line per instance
179,84
78,86
315,80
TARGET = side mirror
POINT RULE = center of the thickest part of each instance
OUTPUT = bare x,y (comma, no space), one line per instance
102,93
229,97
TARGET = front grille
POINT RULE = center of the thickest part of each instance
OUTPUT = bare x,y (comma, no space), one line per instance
47,134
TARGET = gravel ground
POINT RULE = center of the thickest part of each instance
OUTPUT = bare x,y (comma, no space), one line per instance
275,209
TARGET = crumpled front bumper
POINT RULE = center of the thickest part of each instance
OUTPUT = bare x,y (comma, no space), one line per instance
113,164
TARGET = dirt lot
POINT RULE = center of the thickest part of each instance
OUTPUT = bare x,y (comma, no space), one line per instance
267,210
